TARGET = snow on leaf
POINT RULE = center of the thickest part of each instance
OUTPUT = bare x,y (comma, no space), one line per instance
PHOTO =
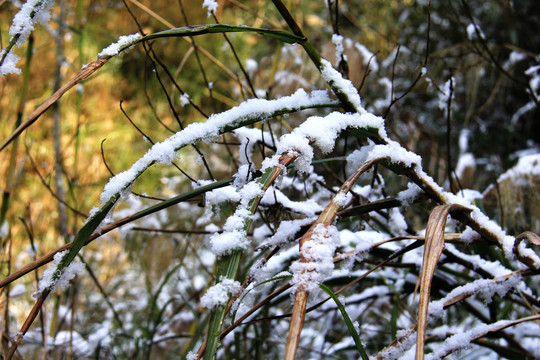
123,42
54,278
219,294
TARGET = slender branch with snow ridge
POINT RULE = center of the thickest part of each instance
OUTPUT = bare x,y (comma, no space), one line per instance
123,43
248,112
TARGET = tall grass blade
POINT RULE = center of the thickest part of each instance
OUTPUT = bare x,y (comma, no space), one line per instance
347,319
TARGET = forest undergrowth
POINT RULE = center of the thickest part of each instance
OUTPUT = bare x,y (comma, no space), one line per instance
270,179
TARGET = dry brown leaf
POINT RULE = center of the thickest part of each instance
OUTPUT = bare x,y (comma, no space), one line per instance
528,260
434,245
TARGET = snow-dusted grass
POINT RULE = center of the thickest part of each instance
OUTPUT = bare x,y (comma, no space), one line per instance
219,272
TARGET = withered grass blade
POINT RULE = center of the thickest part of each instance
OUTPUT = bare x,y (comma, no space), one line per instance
434,245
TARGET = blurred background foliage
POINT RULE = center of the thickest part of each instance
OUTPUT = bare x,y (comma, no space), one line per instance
489,87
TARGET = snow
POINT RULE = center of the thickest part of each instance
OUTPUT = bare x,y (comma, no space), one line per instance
309,207
218,196
396,222
341,199
192,356
471,32
486,288
463,339
122,43
211,6
406,197
529,253
9,66
32,12
338,42
446,94
367,56
17,290
392,151
334,78
219,294
184,99
251,66
248,139
4,229
465,161
318,258
469,235
514,58
234,236
24,21
54,278
286,231
322,132
526,167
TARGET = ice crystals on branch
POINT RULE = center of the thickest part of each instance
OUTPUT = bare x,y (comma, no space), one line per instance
54,278
122,43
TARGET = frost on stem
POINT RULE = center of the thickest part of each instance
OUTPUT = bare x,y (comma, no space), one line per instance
32,12
122,43
54,278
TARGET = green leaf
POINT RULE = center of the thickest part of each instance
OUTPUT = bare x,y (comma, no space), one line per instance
195,30
348,321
